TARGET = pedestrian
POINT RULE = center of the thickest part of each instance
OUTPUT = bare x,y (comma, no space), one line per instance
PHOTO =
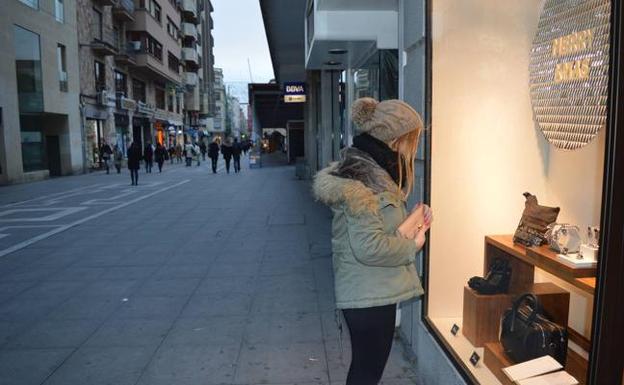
134,162
178,151
226,150
148,155
236,155
188,153
202,148
374,239
106,152
160,155
213,154
196,153
171,153
118,158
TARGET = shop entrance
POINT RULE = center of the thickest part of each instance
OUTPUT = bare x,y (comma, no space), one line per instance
53,149
93,133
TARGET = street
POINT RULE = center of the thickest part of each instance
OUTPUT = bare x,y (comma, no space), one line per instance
188,278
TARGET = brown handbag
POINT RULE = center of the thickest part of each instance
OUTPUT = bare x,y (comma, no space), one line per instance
534,223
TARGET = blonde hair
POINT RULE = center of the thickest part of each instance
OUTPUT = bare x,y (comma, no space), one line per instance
406,147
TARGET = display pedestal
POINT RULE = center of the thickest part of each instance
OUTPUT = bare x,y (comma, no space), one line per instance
495,359
482,313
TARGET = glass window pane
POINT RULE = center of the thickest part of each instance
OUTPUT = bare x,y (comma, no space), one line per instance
59,10
31,3
28,70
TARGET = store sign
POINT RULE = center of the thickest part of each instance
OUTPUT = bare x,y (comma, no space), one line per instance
569,71
127,104
294,92
144,108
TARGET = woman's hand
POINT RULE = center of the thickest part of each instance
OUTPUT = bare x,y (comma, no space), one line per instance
419,220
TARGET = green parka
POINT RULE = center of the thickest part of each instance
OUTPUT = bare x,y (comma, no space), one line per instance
373,266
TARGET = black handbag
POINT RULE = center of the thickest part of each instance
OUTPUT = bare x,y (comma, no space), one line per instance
527,334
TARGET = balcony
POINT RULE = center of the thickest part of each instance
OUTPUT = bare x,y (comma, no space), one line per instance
190,55
189,11
125,56
190,79
104,2
123,10
103,42
189,30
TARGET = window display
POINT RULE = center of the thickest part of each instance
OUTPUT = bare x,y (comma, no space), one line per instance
515,86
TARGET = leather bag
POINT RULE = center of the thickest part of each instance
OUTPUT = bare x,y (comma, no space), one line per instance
527,334
534,223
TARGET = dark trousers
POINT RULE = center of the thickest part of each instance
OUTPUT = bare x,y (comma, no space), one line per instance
371,330
214,164
237,164
148,166
160,164
227,164
105,161
189,162
134,175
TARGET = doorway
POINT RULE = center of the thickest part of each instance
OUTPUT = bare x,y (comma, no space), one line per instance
53,150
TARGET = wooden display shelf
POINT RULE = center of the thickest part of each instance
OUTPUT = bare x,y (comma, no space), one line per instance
541,257
482,313
495,359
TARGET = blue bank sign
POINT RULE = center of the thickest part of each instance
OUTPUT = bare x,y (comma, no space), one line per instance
294,92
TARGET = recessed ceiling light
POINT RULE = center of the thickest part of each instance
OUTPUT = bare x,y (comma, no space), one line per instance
332,63
337,51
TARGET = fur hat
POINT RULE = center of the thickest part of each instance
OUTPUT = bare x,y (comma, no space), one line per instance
385,120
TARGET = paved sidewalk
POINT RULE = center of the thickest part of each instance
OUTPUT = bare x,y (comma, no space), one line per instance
225,279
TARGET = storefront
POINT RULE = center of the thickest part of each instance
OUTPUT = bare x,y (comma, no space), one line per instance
122,130
160,135
93,140
522,97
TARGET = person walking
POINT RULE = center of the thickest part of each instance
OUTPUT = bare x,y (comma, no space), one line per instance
134,162
106,152
374,238
148,155
171,153
178,153
196,153
202,148
236,155
213,154
188,153
117,158
160,154
226,150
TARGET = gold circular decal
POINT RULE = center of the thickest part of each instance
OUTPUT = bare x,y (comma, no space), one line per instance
569,71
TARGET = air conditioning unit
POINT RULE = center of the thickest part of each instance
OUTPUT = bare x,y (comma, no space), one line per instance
102,98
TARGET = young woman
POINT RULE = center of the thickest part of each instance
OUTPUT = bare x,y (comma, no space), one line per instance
374,239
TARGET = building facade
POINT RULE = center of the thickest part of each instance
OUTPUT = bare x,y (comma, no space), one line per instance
40,132
219,120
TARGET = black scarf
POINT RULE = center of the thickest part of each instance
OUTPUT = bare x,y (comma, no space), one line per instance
383,155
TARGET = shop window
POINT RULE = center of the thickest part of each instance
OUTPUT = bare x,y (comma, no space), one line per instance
100,76
121,84
160,97
139,91
492,122
62,66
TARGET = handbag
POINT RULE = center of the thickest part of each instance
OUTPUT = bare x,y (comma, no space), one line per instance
527,334
534,223
564,238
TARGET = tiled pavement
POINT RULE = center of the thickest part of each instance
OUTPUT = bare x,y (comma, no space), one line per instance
223,280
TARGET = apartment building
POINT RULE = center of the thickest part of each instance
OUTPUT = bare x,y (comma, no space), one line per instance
40,131
139,68
207,102
219,126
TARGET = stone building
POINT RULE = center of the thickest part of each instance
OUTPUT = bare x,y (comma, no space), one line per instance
40,132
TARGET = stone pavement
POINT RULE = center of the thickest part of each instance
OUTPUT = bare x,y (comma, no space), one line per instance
221,279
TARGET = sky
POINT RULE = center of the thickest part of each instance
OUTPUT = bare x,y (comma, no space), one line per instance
238,35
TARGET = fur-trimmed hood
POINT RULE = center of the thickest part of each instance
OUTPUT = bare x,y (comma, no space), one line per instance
356,181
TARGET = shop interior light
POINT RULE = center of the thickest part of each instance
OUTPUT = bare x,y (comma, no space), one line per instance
338,51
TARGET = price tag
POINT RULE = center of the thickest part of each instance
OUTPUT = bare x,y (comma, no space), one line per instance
474,359
454,329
